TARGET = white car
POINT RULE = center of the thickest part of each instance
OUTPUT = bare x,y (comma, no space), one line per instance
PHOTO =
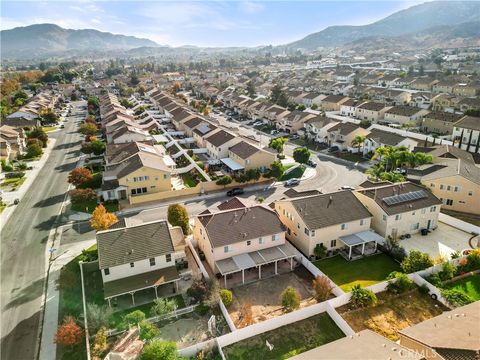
347,187
257,123
292,182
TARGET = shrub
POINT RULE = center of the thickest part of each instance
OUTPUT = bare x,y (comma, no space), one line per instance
14,175
399,282
323,288
178,216
224,180
202,308
148,331
22,166
448,271
6,166
164,350
320,251
163,306
198,290
434,279
79,176
100,345
40,134
245,315
82,195
98,316
135,317
33,151
362,297
473,259
68,333
416,261
456,298
290,299
226,296
423,289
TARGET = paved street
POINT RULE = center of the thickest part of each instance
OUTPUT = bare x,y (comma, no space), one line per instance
23,241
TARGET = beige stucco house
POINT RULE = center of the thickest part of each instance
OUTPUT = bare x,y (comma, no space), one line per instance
251,157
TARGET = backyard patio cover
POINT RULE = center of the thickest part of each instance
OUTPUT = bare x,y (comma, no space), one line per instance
232,164
361,238
253,259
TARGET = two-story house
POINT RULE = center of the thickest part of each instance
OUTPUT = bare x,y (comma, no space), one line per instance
249,156
218,144
342,135
466,134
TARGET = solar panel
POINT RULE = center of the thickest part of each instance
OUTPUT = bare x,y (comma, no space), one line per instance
401,198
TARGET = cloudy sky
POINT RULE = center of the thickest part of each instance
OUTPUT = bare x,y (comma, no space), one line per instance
201,23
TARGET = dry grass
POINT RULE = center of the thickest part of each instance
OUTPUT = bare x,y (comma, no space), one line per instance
393,313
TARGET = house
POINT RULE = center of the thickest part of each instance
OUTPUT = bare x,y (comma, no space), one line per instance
357,346
137,258
445,102
22,119
249,156
275,113
422,99
371,111
190,125
450,335
13,139
323,220
218,144
294,121
344,76
422,84
130,134
310,99
444,86
400,209
388,80
349,108
404,115
342,135
468,104
466,89
236,237
440,122
317,128
380,138
466,134
333,102
394,97
202,131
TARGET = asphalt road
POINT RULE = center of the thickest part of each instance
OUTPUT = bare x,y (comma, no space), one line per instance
23,241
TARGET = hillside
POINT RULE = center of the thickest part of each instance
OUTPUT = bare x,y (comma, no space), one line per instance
49,39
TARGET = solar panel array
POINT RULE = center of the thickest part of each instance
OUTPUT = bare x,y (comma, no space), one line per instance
398,199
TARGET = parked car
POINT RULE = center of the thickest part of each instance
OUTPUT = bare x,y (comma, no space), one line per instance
274,132
333,149
292,182
347,187
294,137
311,163
257,123
62,126
235,192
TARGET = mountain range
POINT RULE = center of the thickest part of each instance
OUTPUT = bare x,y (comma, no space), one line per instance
428,25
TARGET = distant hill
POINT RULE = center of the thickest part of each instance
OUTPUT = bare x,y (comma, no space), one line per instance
49,39
409,21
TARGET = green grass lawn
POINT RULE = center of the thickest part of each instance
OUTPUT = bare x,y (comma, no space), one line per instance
469,286
188,180
287,341
350,157
366,271
2,207
295,173
49,128
13,182
89,206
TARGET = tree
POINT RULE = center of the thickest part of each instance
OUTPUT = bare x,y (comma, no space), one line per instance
301,155
100,345
93,101
163,306
277,144
198,290
301,107
365,123
224,180
253,174
98,147
86,148
323,287
226,296
87,129
362,297
320,250
68,333
40,134
98,316
314,107
290,299
134,317
178,216
416,261
82,195
358,141
399,282
79,176
48,116
156,350
148,331
102,219
251,88
276,169
33,151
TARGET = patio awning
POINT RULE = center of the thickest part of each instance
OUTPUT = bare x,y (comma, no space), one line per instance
139,282
361,238
232,164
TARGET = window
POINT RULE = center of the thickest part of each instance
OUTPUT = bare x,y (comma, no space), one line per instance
449,188
132,264
456,189
432,185
424,211
249,242
415,226
449,202
227,249
275,237
398,217
433,208
306,231
106,271
384,217
168,257
261,241
138,191
442,187
165,176
146,178
144,189
312,233
343,226
152,261
362,222
470,193
333,243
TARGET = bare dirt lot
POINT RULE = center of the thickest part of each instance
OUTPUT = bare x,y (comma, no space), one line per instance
264,295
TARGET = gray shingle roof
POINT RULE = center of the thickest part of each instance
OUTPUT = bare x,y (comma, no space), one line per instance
219,138
244,150
126,245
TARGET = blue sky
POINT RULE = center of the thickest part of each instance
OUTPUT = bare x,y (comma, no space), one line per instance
201,23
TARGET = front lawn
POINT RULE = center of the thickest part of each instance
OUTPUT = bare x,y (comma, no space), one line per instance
295,173
287,341
350,157
89,206
49,128
469,286
14,182
365,272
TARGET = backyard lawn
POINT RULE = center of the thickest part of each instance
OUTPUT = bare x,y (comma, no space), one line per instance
469,286
188,180
366,271
287,341
392,313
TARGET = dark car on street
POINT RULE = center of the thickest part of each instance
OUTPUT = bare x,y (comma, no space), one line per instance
235,192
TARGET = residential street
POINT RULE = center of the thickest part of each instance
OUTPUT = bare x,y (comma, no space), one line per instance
23,241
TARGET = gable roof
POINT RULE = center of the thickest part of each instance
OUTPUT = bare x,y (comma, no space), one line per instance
344,128
385,137
244,150
219,138
469,122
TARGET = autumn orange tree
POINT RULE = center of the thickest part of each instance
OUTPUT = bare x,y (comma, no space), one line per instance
79,176
87,129
68,333
102,219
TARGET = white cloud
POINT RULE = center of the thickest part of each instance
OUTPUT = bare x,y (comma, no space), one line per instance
250,7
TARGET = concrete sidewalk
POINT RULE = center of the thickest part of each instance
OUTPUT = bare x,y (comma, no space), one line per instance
31,175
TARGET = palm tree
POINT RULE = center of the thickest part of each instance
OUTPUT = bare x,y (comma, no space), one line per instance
375,171
358,141
422,159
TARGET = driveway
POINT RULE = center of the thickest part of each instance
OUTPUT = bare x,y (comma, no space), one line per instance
23,241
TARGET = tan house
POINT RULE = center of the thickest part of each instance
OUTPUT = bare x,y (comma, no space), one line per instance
372,111
468,90
326,219
333,102
342,135
440,122
400,209
294,121
451,335
249,156
236,237
404,115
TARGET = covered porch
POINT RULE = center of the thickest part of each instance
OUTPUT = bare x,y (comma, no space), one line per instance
360,244
253,265
231,166
143,282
